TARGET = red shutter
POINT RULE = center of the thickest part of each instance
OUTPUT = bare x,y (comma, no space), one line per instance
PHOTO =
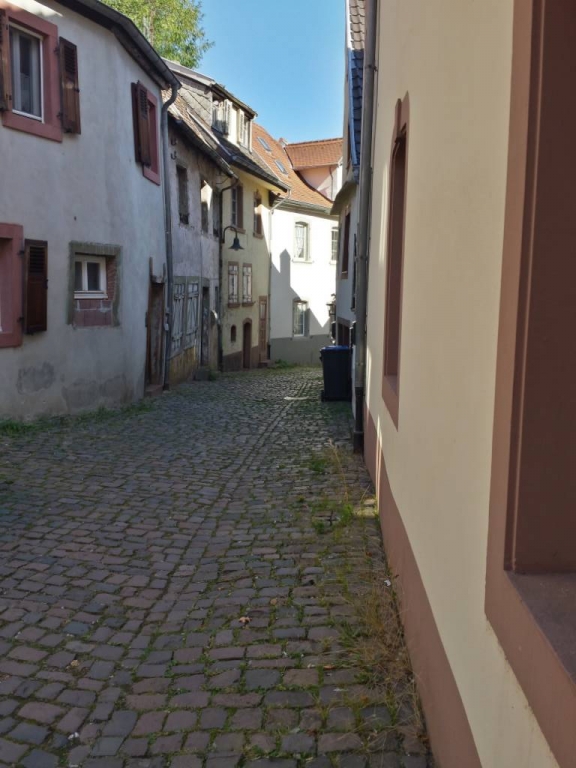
36,286
142,143
5,78
69,87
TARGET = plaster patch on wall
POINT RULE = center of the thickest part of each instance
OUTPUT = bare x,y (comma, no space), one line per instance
34,379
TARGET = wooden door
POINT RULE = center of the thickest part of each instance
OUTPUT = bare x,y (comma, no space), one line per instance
246,345
263,329
155,344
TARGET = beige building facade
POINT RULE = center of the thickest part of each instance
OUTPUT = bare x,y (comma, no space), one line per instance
468,409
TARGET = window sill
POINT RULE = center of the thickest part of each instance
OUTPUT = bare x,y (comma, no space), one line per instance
302,261
233,305
239,230
534,620
89,296
259,236
30,125
151,174
344,275
248,303
390,396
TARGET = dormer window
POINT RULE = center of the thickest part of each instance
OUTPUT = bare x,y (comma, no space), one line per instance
221,116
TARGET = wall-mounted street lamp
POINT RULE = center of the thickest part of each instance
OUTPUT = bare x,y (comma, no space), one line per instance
236,244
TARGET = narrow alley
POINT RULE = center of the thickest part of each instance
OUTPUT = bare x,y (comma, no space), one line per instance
182,584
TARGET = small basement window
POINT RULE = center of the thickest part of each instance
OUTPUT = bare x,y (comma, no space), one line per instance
90,277
233,334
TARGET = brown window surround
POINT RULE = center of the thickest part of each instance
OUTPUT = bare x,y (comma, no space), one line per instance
531,562
237,213
49,127
258,215
11,246
395,259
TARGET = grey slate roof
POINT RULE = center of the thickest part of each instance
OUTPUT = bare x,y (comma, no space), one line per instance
355,23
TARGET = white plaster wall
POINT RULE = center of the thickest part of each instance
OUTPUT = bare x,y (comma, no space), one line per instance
326,179
87,188
313,281
454,60
195,251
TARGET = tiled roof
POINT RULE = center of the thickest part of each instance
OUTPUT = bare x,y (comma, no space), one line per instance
300,192
194,129
185,108
315,154
355,24
251,163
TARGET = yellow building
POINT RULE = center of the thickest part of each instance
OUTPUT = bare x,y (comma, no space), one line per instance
469,412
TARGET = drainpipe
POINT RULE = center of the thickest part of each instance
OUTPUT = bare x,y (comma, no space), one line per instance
277,204
168,232
220,286
364,221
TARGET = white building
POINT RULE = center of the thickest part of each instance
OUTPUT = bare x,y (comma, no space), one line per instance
81,207
303,247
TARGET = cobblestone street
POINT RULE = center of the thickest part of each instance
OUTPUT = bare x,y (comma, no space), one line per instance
177,586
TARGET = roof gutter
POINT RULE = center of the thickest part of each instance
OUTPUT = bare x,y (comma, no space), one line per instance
365,202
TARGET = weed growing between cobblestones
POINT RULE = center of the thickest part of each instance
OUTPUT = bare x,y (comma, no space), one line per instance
129,557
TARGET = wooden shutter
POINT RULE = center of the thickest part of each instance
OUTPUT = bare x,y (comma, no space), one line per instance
5,78
69,89
142,143
36,286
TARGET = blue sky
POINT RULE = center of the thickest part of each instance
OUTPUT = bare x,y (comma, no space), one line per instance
285,58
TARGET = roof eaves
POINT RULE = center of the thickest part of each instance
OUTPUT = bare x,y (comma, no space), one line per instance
220,90
194,139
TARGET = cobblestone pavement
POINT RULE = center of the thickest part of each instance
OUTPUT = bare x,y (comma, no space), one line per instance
168,598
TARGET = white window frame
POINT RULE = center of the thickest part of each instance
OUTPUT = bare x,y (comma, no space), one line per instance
305,306
233,297
85,293
305,226
246,283
16,86
335,241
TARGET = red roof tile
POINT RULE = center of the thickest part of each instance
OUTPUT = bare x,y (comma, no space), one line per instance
300,191
314,154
